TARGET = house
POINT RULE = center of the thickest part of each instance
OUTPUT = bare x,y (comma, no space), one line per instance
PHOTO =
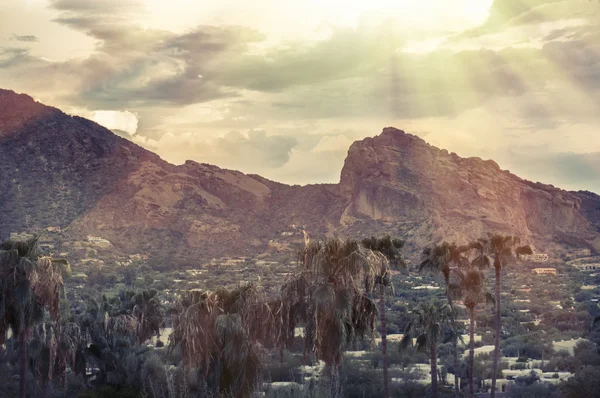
544,271
98,241
21,236
536,257
586,267
46,246
53,229
581,253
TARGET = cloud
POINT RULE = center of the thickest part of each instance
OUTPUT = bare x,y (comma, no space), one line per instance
11,56
529,76
25,38
253,152
116,120
567,170
97,6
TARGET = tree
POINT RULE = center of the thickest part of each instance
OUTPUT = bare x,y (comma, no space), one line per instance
392,250
442,259
149,311
503,250
329,295
53,348
29,285
427,328
585,383
217,332
469,284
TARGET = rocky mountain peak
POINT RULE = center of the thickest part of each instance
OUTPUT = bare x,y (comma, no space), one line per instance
16,110
70,171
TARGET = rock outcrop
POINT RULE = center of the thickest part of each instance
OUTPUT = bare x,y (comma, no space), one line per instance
68,171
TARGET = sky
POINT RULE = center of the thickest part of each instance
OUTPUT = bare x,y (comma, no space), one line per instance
282,88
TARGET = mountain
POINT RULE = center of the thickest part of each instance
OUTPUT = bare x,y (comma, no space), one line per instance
69,171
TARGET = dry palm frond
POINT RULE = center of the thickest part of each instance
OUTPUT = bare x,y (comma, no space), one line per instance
328,296
219,331
428,323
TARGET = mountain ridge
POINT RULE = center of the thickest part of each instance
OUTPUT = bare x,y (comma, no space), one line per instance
97,183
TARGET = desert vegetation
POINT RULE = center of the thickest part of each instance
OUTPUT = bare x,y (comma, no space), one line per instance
351,318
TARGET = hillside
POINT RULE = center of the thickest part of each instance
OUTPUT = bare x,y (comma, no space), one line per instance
69,171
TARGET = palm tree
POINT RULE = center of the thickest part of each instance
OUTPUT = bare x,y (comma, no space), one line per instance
469,284
147,308
111,343
502,249
214,332
392,250
29,285
329,295
427,328
52,349
444,258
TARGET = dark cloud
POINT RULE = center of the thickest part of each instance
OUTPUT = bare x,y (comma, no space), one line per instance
11,56
507,14
96,6
345,54
573,171
25,38
504,11
579,60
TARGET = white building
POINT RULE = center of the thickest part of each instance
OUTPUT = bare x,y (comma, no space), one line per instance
98,241
544,271
536,257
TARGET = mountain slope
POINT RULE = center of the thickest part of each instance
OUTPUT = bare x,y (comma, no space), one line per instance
68,171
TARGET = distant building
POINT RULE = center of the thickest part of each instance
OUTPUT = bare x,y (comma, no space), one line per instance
581,253
587,267
98,241
21,236
536,257
544,271
138,257
53,229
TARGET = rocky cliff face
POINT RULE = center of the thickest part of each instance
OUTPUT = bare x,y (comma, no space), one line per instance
397,176
68,171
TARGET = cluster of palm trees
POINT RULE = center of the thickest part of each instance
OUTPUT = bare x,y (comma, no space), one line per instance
462,269
331,296
31,290
221,334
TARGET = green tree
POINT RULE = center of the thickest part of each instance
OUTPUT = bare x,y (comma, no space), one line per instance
392,250
427,328
585,383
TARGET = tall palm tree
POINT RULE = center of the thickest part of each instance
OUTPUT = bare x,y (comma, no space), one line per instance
502,250
469,284
444,258
29,286
329,294
427,328
392,250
